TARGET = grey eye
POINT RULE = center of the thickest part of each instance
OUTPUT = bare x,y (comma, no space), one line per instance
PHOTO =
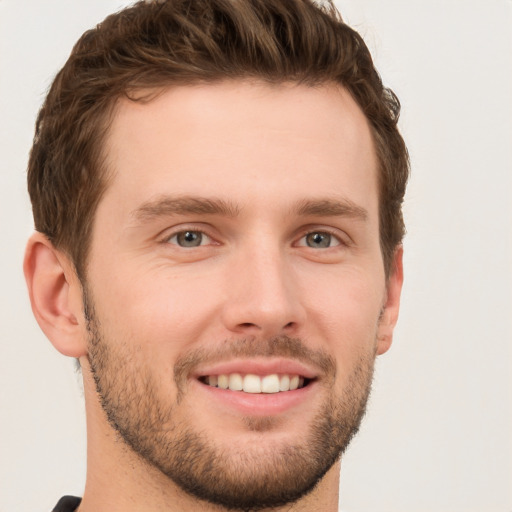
188,239
318,240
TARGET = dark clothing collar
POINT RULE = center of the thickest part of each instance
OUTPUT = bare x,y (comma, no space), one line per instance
67,504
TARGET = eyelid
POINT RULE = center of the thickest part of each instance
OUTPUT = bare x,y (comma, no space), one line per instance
342,238
170,233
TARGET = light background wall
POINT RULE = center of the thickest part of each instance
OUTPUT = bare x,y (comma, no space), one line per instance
437,436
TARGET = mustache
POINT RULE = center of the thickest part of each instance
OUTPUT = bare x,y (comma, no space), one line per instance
279,346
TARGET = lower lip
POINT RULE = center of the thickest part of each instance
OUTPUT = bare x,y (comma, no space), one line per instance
259,404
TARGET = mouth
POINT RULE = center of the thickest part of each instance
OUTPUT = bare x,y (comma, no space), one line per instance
256,384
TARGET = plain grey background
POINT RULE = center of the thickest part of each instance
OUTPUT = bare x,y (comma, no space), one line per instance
437,436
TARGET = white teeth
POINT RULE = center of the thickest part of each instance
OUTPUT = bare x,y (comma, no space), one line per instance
236,382
223,381
270,384
251,383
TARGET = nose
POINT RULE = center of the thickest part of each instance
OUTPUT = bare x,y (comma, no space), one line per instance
262,296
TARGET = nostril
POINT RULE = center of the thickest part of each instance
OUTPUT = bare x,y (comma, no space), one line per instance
249,325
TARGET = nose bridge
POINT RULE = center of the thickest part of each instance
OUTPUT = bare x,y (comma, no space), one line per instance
262,296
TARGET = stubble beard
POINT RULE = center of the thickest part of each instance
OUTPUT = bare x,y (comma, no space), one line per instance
263,476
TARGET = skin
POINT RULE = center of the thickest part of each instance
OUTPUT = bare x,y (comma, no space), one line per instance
264,151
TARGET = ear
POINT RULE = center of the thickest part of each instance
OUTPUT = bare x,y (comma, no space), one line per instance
391,307
55,295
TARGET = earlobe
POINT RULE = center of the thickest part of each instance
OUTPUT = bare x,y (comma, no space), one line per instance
55,296
391,307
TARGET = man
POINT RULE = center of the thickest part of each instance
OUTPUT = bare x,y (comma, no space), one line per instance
217,189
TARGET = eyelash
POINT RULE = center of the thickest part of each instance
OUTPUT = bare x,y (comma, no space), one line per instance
203,233
325,231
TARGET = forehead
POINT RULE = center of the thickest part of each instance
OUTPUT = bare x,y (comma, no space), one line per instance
243,140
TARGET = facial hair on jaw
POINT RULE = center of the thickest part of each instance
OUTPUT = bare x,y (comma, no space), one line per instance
247,480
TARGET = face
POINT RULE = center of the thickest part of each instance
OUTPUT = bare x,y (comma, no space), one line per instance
235,287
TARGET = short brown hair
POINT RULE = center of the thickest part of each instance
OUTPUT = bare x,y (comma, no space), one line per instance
164,43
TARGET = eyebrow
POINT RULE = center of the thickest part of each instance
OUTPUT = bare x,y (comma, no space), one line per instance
183,205
331,208
186,205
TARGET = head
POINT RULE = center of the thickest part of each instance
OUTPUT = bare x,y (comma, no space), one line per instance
221,183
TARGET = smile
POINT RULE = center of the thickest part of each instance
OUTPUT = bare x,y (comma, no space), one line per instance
257,386
251,383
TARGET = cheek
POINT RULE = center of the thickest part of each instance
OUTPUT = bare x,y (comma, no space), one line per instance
160,312
346,313
349,323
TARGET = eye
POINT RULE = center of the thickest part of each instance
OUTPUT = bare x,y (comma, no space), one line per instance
319,240
189,238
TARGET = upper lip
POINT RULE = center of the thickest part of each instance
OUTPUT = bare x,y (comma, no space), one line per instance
257,366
